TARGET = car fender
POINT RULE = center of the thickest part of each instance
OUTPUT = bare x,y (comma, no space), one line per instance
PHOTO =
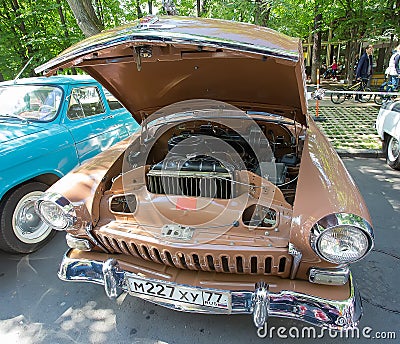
388,122
81,185
47,152
324,187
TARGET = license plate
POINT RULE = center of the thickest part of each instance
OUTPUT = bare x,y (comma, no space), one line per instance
179,293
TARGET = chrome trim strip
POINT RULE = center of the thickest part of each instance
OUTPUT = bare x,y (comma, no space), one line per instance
188,174
125,195
288,304
297,255
338,276
78,243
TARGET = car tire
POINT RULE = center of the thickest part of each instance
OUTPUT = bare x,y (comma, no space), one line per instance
338,98
392,146
21,229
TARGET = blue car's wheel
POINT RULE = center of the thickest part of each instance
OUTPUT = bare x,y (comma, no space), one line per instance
21,229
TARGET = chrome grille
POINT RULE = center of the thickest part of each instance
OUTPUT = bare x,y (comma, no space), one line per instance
257,264
194,184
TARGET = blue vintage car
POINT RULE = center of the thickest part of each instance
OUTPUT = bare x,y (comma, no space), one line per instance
47,127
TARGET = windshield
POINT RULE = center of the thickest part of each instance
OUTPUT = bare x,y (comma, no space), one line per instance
30,102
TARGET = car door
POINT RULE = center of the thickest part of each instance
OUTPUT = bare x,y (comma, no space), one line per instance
118,122
85,115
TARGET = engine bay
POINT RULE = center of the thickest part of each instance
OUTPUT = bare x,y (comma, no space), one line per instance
202,158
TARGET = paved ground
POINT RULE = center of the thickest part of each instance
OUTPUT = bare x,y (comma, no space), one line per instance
36,307
349,126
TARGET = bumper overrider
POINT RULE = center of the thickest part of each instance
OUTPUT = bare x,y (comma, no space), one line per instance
260,302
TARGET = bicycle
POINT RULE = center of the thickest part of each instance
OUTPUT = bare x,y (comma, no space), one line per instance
387,86
338,98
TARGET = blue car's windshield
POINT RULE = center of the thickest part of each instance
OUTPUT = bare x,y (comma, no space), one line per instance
30,102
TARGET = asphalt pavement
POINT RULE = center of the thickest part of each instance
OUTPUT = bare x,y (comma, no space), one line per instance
36,307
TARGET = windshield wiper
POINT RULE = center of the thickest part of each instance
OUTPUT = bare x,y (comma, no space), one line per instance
13,116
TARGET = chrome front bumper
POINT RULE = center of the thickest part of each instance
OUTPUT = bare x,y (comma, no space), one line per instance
260,303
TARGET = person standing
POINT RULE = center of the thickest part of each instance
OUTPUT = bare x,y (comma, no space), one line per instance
394,67
334,67
364,66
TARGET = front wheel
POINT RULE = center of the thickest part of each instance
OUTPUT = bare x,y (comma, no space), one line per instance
338,98
21,229
392,152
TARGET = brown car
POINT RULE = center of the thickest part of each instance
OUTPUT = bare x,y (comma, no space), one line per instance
228,199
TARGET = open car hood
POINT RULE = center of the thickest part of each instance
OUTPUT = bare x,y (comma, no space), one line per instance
158,61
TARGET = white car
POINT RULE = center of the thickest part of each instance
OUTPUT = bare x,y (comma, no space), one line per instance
388,127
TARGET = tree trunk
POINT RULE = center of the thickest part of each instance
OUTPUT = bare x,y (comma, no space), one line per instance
309,51
351,59
62,18
150,5
198,6
204,7
380,62
16,8
329,49
1,77
86,17
138,9
316,54
262,12
201,6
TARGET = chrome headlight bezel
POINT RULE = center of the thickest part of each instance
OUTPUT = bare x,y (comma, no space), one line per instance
65,208
333,222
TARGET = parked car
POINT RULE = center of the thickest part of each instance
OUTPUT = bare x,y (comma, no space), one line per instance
388,127
47,127
229,199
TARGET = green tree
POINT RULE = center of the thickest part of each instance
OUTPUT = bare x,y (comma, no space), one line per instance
44,28
40,29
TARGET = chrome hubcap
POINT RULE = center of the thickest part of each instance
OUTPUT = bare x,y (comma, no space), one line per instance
393,149
27,225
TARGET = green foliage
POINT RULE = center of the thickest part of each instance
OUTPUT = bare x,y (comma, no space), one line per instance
36,32
34,28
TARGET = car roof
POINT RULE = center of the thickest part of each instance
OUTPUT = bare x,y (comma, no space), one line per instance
57,79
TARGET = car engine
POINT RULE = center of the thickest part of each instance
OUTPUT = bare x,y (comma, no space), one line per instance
196,165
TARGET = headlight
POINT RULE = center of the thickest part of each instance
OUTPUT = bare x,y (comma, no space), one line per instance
342,238
56,211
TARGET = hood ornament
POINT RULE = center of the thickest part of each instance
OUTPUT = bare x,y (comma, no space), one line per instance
151,22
